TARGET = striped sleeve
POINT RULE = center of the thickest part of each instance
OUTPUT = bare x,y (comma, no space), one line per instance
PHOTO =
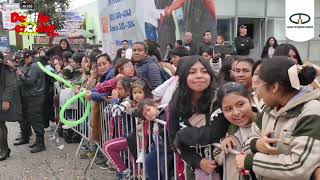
300,163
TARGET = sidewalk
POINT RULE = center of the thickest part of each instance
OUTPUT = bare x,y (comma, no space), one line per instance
52,164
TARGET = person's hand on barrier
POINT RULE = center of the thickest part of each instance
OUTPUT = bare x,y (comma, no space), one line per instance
208,166
77,89
119,76
228,143
139,127
107,98
240,161
264,145
88,96
5,105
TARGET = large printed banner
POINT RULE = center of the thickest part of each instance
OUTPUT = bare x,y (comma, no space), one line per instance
163,21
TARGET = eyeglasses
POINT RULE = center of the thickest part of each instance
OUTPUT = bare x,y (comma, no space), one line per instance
258,86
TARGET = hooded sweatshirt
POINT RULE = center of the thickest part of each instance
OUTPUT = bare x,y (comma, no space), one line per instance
297,126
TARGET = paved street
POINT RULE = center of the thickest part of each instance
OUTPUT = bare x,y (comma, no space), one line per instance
52,164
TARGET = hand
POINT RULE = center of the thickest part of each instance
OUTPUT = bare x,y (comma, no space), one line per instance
162,18
316,174
88,96
115,94
263,145
139,127
5,105
207,165
77,89
119,76
58,67
228,143
107,98
167,11
240,161
19,73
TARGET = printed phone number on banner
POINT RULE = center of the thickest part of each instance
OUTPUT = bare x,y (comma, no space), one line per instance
122,26
112,2
120,14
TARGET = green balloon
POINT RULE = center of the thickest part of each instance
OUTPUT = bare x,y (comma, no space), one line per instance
68,103
56,77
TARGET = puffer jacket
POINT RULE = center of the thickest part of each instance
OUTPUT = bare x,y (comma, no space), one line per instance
297,126
149,69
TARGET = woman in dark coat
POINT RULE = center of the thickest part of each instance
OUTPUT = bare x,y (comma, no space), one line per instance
63,46
10,107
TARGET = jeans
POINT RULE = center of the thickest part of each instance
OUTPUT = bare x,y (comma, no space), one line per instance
151,163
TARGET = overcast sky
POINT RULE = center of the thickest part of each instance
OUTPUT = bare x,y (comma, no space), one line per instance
77,3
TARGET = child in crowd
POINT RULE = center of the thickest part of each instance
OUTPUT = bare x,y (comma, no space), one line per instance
140,90
235,103
114,146
148,110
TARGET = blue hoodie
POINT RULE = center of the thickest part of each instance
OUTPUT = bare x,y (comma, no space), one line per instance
149,69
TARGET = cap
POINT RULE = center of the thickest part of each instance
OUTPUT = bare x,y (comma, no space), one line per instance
242,26
77,57
27,53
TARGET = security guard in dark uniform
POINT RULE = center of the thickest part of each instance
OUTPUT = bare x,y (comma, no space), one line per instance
33,96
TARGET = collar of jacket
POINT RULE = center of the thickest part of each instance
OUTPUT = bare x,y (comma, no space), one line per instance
148,59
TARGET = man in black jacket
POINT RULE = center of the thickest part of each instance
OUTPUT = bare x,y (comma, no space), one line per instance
189,44
33,87
243,42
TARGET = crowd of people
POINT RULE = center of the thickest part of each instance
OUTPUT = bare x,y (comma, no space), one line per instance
208,93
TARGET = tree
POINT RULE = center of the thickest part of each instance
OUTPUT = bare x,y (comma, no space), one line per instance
55,9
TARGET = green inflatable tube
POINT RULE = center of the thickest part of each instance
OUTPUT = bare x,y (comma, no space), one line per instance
70,101
56,77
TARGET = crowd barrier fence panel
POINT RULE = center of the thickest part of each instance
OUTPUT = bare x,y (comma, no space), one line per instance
114,127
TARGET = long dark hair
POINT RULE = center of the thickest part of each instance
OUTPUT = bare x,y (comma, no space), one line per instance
181,105
283,50
265,50
66,41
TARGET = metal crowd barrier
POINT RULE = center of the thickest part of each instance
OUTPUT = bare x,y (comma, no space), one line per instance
111,128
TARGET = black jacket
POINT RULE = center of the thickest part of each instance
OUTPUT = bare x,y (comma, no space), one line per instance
204,46
9,92
192,46
33,81
215,129
247,45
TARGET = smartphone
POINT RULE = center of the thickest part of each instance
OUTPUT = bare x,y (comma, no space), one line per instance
271,135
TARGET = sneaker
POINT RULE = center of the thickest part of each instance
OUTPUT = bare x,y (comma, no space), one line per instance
101,162
111,170
140,158
104,166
